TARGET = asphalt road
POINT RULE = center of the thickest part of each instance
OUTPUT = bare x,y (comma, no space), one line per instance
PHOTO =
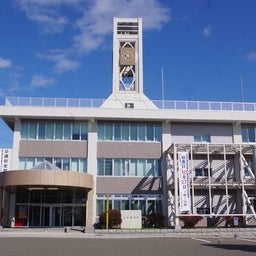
17,246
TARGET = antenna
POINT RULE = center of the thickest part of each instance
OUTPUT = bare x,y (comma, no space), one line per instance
162,80
242,86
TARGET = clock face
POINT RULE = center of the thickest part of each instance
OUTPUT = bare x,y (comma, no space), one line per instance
127,56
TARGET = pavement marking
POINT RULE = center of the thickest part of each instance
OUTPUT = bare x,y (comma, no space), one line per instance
202,240
247,240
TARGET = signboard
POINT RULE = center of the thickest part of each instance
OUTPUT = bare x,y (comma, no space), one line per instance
131,219
184,183
5,158
235,221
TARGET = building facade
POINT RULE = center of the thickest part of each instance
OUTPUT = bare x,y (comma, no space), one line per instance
173,158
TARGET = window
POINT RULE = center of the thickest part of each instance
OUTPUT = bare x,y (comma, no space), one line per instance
54,131
202,210
202,138
67,164
41,131
202,172
76,132
248,134
129,132
148,204
129,167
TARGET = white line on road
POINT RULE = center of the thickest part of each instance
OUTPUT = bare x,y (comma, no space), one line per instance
247,240
202,240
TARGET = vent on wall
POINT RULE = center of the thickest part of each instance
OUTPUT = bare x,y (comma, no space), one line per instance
129,105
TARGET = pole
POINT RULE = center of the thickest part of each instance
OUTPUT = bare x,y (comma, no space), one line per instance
162,81
107,211
242,87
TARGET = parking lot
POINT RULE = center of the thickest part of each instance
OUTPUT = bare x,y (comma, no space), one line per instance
99,246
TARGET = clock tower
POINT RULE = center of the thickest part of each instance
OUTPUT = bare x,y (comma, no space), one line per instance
127,56
127,80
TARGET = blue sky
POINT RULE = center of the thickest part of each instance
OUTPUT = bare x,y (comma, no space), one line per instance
63,48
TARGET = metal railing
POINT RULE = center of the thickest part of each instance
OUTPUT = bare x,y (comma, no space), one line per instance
161,104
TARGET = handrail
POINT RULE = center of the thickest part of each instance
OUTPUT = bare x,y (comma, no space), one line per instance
161,104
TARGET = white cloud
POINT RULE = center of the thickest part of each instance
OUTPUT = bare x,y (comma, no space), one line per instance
45,14
207,31
62,62
251,56
97,21
4,63
41,81
91,21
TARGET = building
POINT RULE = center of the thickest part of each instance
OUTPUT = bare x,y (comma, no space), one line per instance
175,158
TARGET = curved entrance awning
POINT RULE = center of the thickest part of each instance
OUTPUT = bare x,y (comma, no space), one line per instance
46,178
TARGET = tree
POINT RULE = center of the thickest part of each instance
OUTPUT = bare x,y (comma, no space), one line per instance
114,219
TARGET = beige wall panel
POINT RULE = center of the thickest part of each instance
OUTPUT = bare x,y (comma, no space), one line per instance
184,132
46,178
129,150
121,185
53,148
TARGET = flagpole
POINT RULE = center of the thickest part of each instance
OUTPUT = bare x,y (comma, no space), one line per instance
162,81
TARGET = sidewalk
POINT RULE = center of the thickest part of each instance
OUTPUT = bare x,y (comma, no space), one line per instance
128,233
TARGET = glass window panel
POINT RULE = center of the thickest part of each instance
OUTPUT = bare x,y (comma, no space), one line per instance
67,131
49,159
151,206
141,167
58,131
50,131
117,205
22,163
108,132
101,132
41,131
134,133
150,133
84,132
125,132
24,130
30,163
117,132
58,162
133,167
125,205
39,160
197,138
83,165
158,133
245,134
125,163
158,168
32,131
75,164
117,167
66,164
101,167
141,132
100,207
251,134
76,132
150,167
206,138
108,166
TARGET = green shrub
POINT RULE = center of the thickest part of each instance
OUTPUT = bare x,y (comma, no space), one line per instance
190,221
154,221
114,219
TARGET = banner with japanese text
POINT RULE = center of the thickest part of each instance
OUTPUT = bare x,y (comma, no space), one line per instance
5,158
184,182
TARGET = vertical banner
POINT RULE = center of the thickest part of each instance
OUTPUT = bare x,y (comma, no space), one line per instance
184,184
5,158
